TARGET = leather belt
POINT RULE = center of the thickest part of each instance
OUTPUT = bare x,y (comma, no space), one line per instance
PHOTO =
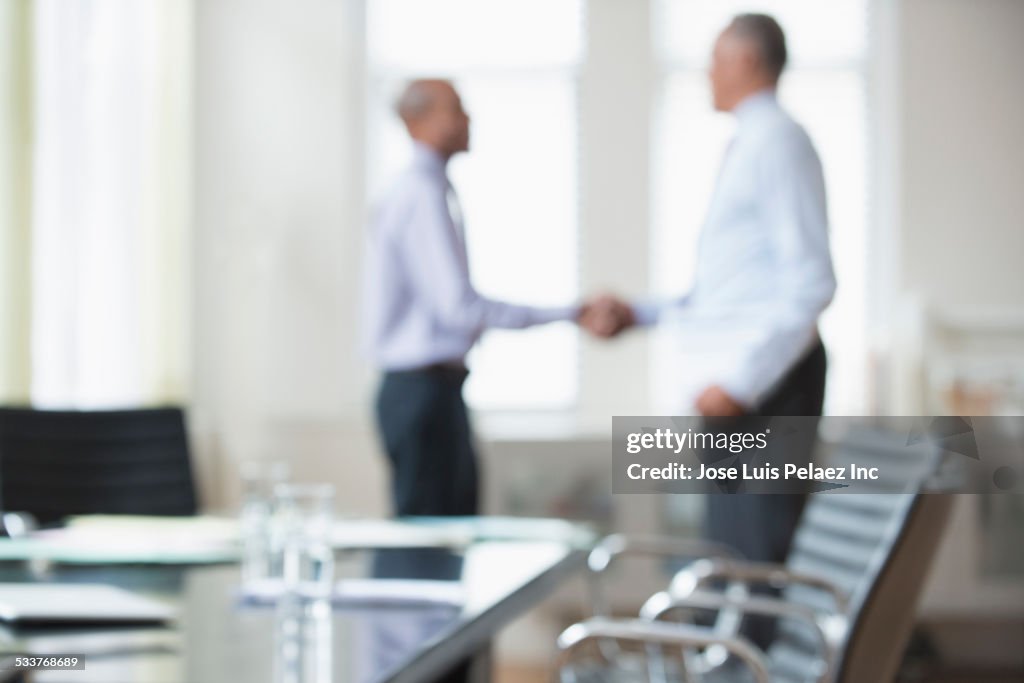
450,370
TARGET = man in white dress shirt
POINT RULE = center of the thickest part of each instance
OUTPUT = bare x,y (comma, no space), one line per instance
763,277
423,314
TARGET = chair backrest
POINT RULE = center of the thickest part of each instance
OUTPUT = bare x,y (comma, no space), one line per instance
59,463
876,548
883,624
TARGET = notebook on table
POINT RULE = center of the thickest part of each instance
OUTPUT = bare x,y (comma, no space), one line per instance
79,603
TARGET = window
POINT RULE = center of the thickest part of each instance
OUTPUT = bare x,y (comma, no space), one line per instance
825,89
111,211
517,186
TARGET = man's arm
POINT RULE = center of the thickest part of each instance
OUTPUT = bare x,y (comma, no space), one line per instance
435,261
608,315
649,312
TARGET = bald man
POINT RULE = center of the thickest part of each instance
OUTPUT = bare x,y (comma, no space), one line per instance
423,314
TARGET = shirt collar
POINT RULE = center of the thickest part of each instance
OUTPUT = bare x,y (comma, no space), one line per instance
427,157
752,106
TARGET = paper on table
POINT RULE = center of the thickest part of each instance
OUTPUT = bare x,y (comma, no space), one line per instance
207,527
81,602
454,532
382,533
399,592
494,528
130,539
377,592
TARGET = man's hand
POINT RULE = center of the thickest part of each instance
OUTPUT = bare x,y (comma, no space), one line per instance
606,316
716,402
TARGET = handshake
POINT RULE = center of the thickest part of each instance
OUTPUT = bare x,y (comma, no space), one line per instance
605,316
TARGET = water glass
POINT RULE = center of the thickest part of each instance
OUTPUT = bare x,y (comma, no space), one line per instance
260,558
302,522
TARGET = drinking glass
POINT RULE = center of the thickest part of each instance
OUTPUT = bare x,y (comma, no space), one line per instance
261,561
302,522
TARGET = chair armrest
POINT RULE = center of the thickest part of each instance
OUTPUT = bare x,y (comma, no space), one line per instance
611,548
616,545
651,633
828,627
698,574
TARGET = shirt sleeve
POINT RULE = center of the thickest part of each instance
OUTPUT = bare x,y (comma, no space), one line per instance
434,258
648,312
793,208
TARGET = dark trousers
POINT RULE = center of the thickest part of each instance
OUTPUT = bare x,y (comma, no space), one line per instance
761,526
425,430
424,427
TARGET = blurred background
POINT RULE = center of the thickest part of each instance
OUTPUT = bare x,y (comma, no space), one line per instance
184,188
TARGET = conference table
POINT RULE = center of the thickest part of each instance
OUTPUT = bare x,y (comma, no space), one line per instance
469,594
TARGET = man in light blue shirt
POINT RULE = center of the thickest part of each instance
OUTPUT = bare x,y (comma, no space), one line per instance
763,268
423,314
749,326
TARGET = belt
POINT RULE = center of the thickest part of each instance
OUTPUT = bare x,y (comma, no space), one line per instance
455,370
452,368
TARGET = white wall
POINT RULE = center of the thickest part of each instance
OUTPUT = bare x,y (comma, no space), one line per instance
615,94
278,207
962,152
961,203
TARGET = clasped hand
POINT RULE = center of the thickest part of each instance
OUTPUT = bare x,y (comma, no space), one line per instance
605,316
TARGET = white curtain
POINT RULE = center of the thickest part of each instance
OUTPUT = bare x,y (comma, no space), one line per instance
110,202
15,199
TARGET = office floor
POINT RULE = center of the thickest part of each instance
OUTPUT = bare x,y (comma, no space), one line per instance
967,677
520,673
513,673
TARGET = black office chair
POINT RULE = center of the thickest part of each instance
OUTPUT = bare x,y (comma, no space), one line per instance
59,463
850,587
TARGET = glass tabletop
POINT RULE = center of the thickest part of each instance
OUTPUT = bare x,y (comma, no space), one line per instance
217,636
